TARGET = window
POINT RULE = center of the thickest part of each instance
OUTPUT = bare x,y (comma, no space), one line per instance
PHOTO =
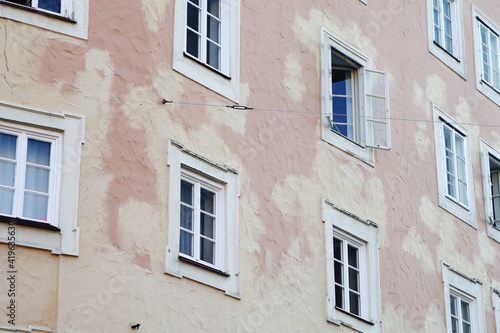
206,43
353,281
61,7
201,220
39,177
204,40
355,101
446,35
453,167
460,312
65,16
348,272
203,229
490,158
495,295
28,175
464,302
486,42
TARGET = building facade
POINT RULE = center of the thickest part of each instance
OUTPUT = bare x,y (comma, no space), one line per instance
249,166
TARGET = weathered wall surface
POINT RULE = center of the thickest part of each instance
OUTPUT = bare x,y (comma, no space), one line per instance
117,79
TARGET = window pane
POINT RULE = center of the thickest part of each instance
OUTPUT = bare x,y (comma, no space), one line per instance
465,311
207,250
193,17
35,206
6,200
186,243
341,82
337,248
342,116
353,279
192,44
354,303
7,173
37,179
494,61
38,152
213,55
213,7
465,328
453,305
52,5
213,29
186,192
8,146
207,225
447,137
339,297
338,270
454,325
186,217
352,254
207,201
196,2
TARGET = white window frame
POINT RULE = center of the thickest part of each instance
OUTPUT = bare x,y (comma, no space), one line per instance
224,275
456,59
487,152
198,183
486,88
69,129
226,80
452,205
495,296
75,14
365,234
468,288
24,133
367,140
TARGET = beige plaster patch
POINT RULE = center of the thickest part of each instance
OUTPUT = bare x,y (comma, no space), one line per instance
96,81
233,119
293,78
436,91
421,137
244,93
434,321
141,240
307,31
396,318
415,246
154,12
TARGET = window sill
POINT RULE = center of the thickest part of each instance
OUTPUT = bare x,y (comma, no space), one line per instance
445,50
460,205
198,264
207,66
28,223
35,10
354,316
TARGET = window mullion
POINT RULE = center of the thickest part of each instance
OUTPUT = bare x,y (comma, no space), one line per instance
196,222
455,164
441,24
345,274
20,177
203,30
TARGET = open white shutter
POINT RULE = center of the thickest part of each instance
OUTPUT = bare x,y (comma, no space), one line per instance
377,114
